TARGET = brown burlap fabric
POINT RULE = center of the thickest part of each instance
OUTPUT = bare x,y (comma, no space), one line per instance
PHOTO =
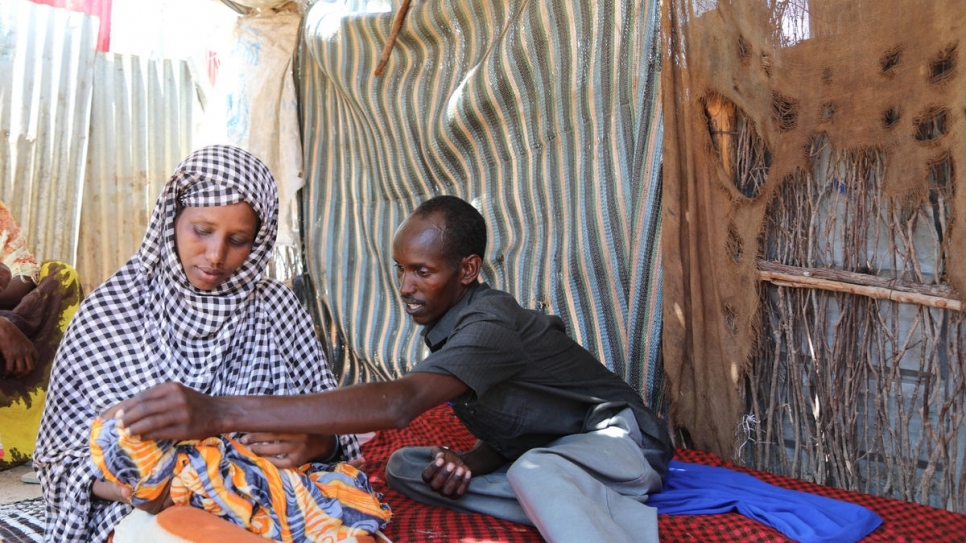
756,95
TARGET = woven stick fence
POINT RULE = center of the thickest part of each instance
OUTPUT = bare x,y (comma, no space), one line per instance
858,381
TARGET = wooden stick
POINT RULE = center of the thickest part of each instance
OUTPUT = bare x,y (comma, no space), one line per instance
721,114
860,284
396,25
854,278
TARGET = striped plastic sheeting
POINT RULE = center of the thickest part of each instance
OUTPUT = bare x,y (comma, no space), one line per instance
542,114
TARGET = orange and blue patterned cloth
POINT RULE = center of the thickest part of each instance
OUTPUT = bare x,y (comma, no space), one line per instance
315,502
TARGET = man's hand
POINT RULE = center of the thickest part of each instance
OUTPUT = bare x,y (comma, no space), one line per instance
18,352
171,411
447,474
289,450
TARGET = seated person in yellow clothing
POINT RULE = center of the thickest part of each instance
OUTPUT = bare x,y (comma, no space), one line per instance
36,303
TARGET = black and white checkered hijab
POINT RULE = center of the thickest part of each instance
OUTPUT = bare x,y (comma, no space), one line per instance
147,324
213,176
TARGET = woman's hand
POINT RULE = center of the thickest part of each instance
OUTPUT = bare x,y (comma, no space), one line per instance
111,412
447,474
18,352
290,450
162,502
113,492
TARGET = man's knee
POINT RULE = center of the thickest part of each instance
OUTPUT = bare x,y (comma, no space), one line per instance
405,466
393,467
531,463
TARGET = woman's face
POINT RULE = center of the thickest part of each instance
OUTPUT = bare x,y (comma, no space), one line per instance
212,242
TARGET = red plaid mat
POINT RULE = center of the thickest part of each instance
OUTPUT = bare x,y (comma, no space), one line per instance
416,523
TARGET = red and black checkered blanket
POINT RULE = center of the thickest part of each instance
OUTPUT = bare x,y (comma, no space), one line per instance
414,522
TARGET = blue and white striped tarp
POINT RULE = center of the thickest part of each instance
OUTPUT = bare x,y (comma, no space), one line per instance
543,114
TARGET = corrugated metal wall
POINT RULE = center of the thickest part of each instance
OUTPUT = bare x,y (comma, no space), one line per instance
543,114
46,60
97,132
143,117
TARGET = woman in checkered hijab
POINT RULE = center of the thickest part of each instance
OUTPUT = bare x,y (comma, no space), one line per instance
165,317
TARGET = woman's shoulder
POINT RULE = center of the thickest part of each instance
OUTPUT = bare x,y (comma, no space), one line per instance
286,317
278,298
269,288
125,286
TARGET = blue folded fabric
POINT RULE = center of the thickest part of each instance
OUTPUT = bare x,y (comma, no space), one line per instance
695,489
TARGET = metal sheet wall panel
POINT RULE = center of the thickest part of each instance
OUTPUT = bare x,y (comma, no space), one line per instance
543,114
143,119
46,67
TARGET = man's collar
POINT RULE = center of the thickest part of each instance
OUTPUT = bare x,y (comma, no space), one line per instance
435,334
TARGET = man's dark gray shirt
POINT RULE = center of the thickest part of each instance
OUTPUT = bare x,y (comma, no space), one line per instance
529,382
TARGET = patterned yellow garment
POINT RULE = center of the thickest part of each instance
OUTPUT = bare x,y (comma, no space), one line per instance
13,247
316,502
43,316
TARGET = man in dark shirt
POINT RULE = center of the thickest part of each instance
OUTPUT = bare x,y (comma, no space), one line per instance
563,443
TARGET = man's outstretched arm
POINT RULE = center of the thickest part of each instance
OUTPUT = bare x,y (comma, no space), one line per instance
173,411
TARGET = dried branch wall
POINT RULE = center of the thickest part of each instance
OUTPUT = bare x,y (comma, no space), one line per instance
818,135
846,389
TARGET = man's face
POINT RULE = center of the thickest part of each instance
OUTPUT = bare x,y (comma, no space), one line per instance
213,242
429,282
